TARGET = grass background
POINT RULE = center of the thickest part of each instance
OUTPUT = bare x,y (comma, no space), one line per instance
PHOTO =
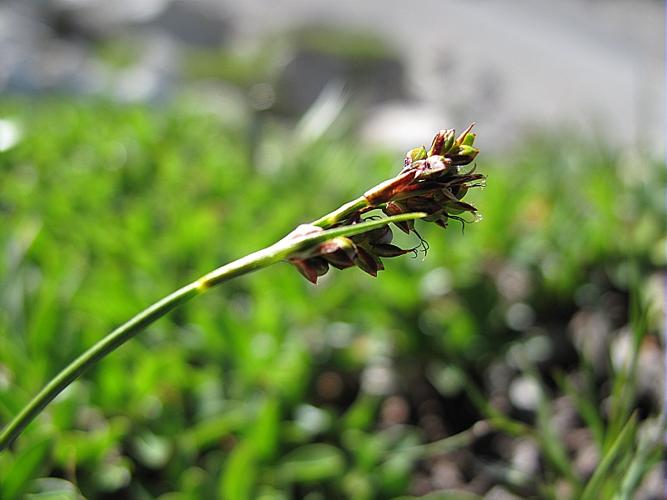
271,388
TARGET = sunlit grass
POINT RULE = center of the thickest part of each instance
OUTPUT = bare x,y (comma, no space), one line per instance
105,207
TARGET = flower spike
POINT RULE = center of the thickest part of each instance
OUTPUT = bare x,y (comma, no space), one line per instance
431,181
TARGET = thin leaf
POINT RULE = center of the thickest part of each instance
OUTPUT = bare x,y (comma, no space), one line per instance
26,466
311,463
649,453
351,230
552,444
585,406
621,445
238,478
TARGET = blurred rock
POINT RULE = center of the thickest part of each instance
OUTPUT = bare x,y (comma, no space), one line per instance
378,379
154,73
32,59
42,59
395,410
431,419
446,474
498,377
513,282
433,426
590,332
198,23
526,457
587,455
564,489
11,134
90,418
436,283
538,347
400,124
575,65
621,350
420,484
564,419
524,393
653,486
311,419
519,316
370,71
500,493
651,371
594,68
587,295
97,18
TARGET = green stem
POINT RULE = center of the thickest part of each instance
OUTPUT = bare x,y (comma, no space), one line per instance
257,260
125,332
341,213
108,344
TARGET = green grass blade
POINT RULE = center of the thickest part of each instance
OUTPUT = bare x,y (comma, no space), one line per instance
622,444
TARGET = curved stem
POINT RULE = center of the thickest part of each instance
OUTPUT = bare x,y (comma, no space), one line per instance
252,262
128,330
108,344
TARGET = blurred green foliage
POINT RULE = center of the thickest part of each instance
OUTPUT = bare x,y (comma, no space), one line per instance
269,387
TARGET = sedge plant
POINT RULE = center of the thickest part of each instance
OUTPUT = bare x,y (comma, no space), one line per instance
431,187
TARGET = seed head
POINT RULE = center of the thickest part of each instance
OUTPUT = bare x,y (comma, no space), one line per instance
432,181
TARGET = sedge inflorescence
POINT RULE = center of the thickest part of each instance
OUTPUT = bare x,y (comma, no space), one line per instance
432,181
